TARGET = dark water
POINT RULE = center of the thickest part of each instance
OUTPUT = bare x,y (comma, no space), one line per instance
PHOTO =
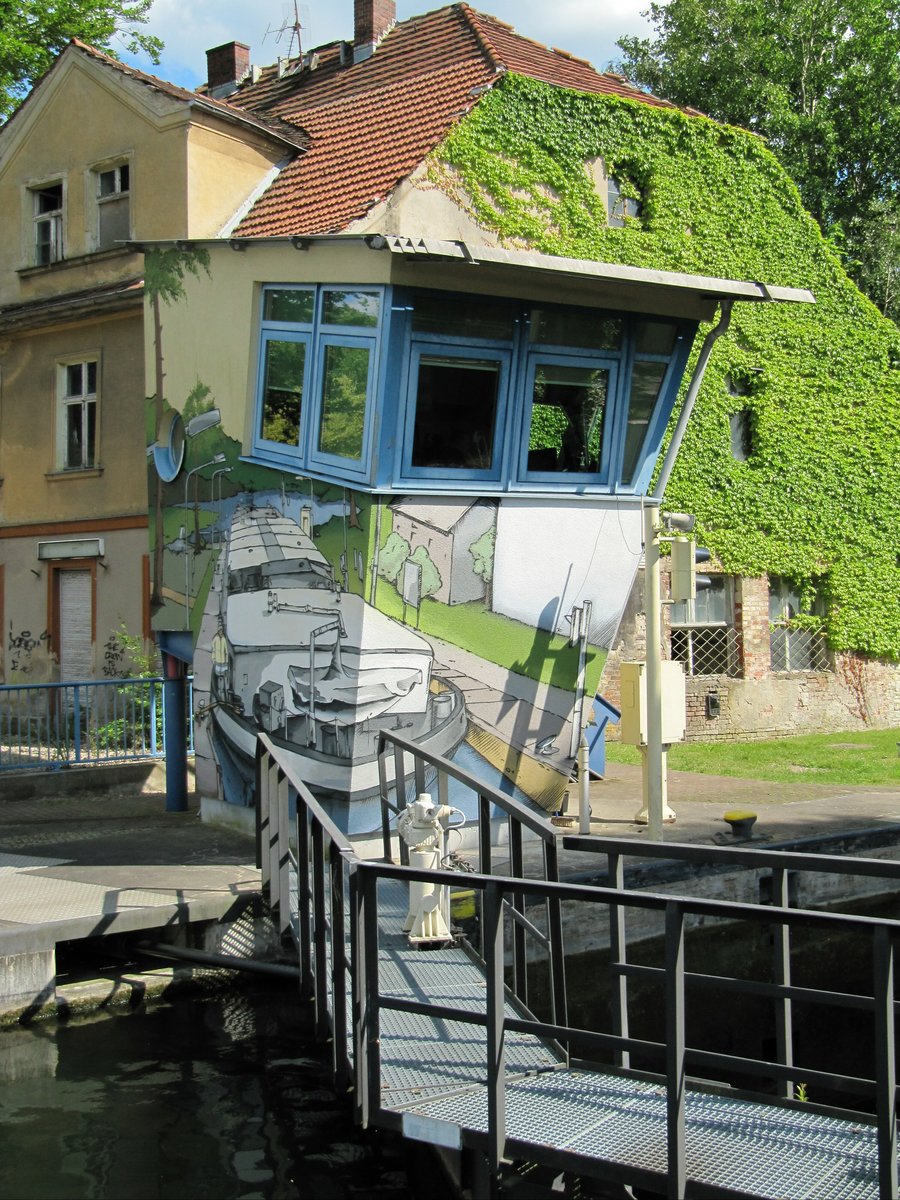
224,1097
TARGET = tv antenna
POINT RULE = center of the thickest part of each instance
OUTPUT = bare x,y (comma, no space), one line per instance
292,27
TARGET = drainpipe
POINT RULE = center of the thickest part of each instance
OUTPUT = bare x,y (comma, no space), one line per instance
688,407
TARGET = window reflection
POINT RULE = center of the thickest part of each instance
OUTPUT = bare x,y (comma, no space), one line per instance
342,421
566,433
283,392
646,380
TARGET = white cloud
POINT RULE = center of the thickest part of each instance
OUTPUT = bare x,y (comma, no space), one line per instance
585,27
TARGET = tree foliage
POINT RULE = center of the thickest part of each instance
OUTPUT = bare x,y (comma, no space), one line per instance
820,80
818,498
33,32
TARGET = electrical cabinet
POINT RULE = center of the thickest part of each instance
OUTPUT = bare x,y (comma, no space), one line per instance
633,725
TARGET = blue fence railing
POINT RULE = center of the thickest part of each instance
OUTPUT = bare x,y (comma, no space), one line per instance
52,725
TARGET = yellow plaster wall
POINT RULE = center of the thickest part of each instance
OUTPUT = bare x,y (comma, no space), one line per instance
224,170
33,491
67,128
221,352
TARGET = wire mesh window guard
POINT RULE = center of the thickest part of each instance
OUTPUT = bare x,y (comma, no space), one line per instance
798,650
708,650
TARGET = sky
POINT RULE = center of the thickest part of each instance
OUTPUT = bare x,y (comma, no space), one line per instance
588,28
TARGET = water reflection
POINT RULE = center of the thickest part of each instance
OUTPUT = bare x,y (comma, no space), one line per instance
224,1097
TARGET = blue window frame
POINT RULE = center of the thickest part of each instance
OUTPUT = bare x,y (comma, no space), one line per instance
456,404
567,406
317,373
395,389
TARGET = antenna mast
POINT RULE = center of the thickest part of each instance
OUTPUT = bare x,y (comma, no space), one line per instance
294,28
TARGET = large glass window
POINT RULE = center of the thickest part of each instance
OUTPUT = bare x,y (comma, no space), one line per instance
455,405
284,375
317,371
646,383
342,414
474,391
566,418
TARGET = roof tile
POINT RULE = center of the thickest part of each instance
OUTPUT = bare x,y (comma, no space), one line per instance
370,124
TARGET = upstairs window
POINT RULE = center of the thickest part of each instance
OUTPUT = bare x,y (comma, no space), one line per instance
77,416
620,207
317,370
113,206
47,202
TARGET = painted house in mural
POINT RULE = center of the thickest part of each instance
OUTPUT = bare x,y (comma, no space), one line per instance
432,443
73,501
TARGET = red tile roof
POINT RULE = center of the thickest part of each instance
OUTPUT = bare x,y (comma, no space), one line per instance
370,124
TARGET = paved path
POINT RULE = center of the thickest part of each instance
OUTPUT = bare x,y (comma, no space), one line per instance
80,864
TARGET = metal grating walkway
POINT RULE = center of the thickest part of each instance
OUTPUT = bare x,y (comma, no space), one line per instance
437,1068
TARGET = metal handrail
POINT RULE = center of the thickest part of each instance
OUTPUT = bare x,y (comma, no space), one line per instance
336,907
677,1056
86,722
519,818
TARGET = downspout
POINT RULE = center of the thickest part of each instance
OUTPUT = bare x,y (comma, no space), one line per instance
688,407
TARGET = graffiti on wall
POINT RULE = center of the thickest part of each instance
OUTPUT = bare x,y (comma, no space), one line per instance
25,648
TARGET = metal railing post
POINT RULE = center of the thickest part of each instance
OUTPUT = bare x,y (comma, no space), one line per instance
555,934
76,717
359,1053
304,897
320,949
371,1015
885,1062
781,946
496,1049
674,1031
338,971
618,954
284,855
517,868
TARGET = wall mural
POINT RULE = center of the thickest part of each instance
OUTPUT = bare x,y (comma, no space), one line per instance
322,615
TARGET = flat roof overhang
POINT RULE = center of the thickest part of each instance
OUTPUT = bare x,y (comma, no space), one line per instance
458,266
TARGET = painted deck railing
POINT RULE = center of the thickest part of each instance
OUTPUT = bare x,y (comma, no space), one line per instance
48,726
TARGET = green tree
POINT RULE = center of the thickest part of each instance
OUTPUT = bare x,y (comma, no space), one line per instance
33,32
820,80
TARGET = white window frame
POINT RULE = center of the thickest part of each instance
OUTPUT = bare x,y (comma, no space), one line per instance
87,400
52,218
119,197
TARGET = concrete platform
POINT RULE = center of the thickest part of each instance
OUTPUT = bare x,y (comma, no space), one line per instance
79,863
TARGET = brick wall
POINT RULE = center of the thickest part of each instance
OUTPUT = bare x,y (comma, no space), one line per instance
857,694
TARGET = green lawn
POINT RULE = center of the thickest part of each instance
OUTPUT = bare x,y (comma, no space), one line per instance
869,758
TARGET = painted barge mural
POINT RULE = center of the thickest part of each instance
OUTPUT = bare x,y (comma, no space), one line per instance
318,669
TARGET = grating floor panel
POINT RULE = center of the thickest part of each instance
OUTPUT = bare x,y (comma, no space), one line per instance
437,1068
730,1143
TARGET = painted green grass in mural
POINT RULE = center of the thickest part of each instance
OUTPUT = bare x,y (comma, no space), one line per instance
867,759
530,652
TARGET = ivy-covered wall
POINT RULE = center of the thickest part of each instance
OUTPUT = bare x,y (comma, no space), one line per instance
818,499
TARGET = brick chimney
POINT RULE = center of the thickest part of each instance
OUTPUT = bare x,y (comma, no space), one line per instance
371,21
226,66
